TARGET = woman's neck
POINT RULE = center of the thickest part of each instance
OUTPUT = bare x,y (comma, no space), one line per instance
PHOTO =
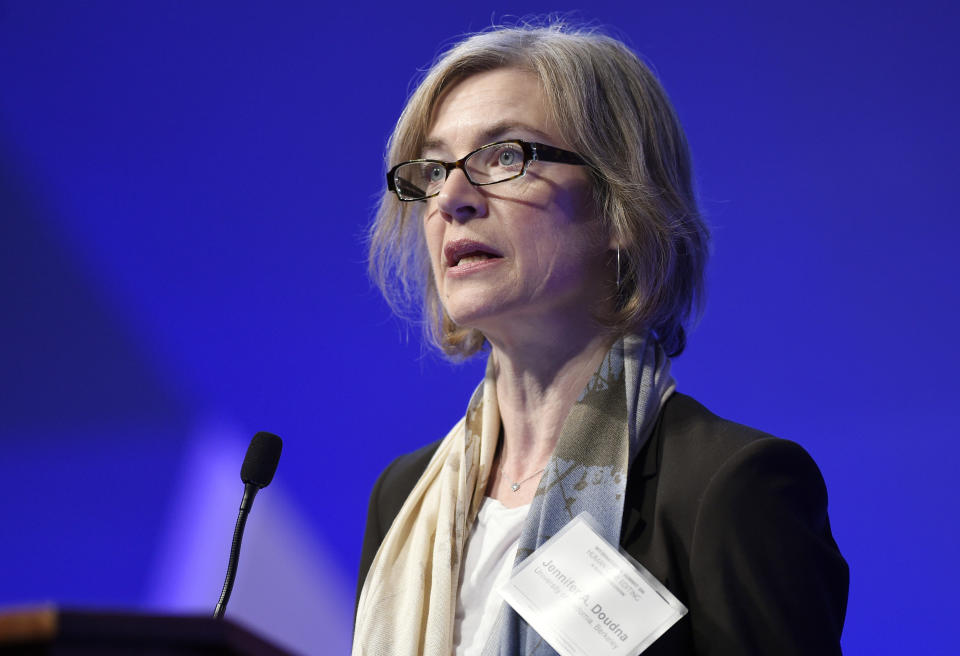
536,388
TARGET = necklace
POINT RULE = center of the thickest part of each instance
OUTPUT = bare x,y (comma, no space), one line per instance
515,486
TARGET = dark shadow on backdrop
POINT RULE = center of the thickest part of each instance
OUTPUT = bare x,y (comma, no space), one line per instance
78,395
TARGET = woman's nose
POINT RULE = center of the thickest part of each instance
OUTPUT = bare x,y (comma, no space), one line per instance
459,199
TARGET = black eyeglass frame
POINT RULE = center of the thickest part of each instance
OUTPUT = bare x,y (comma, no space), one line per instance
532,151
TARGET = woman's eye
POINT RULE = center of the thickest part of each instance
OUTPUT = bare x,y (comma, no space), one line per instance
508,157
436,173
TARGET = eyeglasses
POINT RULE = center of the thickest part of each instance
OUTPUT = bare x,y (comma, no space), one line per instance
497,162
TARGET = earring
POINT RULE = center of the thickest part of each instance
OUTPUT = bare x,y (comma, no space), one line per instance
618,267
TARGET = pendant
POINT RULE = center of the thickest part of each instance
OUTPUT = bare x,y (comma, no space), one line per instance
514,486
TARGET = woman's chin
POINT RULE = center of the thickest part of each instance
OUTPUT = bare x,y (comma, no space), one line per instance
483,312
475,317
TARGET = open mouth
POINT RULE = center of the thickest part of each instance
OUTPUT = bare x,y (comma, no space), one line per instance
464,253
472,258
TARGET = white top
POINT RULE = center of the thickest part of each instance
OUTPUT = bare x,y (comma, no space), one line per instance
487,560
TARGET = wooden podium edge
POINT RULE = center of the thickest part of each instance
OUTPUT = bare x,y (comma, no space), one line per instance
48,624
29,624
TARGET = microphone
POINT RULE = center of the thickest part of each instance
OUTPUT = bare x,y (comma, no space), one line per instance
259,466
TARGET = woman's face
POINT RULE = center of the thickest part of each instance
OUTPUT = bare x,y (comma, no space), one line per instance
520,255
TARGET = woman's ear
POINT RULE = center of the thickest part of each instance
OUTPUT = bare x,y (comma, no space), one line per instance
616,240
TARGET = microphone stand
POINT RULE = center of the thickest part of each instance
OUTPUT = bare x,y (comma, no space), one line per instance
249,492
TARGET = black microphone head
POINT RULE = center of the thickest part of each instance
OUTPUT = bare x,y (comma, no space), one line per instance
260,464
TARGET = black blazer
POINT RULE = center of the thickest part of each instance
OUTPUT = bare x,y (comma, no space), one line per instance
733,521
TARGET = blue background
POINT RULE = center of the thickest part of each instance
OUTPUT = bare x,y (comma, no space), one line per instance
184,188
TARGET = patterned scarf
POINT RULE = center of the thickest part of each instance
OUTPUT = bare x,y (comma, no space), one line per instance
409,598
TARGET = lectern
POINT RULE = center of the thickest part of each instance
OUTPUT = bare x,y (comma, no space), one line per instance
57,631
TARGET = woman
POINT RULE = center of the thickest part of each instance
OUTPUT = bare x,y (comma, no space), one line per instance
540,204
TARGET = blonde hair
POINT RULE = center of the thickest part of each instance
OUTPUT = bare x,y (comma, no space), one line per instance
612,111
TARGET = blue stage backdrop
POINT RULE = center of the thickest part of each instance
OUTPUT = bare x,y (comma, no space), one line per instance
184,190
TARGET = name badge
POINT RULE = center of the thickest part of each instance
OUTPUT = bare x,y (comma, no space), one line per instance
586,598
